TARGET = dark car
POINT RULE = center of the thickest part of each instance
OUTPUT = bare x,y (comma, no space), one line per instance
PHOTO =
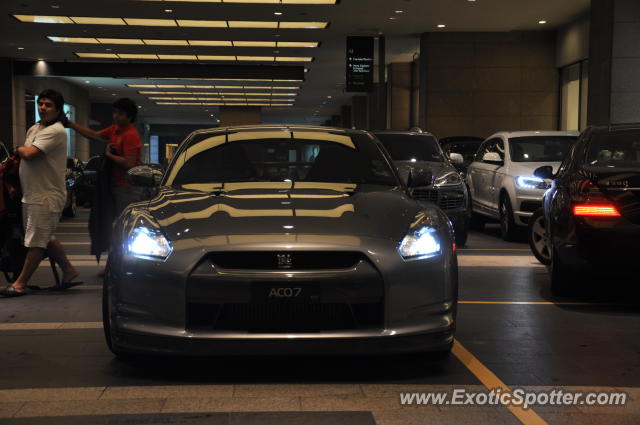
592,210
72,176
413,153
467,146
279,240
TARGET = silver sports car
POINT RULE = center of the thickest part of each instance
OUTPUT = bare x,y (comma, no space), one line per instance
280,240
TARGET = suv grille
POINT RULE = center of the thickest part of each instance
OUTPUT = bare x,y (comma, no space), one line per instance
300,260
445,200
284,317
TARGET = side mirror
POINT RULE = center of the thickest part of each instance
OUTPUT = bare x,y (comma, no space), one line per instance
492,158
544,172
456,158
419,178
144,176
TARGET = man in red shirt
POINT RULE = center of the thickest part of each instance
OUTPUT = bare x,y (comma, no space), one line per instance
123,149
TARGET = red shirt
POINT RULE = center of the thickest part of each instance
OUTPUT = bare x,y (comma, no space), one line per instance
126,141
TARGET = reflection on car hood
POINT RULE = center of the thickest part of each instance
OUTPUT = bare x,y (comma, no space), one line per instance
435,168
381,212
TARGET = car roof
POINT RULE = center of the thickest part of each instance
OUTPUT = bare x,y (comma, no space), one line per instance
533,133
415,133
277,127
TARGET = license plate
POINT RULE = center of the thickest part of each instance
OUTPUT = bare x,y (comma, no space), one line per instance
268,292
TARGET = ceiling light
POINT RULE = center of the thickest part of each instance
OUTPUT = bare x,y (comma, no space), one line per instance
210,43
392,18
20,48
78,40
168,10
252,24
399,11
43,19
97,55
201,24
277,13
442,26
165,42
97,21
150,22
130,41
304,25
178,57
542,22
137,56
254,43
88,82
255,1
297,43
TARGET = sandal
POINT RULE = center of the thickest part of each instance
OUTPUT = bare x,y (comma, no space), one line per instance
10,292
63,286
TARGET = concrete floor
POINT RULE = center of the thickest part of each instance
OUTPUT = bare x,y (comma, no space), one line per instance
56,369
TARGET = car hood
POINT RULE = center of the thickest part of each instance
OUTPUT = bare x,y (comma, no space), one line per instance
379,212
435,168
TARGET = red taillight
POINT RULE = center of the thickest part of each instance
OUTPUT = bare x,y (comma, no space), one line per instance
595,210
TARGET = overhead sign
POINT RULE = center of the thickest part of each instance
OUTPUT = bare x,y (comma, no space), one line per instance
359,64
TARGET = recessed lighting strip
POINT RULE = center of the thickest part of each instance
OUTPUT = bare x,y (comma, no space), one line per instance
187,93
222,104
203,87
199,43
250,1
222,99
268,80
153,56
189,23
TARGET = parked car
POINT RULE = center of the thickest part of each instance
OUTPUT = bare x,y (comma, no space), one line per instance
467,146
420,153
72,176
592,210
501,181
280,240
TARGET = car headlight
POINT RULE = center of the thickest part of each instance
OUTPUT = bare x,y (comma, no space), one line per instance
421,241
531,182
147,241
451,178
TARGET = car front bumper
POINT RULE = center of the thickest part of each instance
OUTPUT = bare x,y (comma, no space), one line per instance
150,301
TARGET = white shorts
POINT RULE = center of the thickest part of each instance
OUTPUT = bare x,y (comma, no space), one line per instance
39,225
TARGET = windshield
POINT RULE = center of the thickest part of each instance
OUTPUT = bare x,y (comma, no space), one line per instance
616,149
540,148
243,158
411,147
466,149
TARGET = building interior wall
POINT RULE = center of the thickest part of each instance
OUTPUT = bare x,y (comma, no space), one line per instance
480,83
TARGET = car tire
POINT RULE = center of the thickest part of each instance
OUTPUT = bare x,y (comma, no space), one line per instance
72,209
106,324
538,239
563,278
508,228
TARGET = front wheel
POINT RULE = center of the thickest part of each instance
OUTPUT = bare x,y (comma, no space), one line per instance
538,238
508,228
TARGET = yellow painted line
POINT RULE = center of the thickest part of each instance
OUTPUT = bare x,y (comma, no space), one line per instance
494,249
492,382
529,303
14,326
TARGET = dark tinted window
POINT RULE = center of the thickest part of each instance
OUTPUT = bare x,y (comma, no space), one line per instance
540,148
407,147
615,149
287,159
466,149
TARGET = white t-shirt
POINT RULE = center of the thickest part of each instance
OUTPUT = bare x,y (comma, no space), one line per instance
43,178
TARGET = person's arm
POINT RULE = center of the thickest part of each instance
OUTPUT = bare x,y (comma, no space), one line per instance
29,153
130,147
89,133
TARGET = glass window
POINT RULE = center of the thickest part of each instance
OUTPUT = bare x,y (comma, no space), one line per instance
278,160
466,149
615,149
540,148
409,147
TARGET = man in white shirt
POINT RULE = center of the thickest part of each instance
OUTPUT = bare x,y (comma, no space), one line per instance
43,160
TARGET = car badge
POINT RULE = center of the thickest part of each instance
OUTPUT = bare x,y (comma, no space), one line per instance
284,261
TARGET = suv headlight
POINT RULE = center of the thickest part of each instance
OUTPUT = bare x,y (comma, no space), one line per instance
451,178
147,241
421,241
531,182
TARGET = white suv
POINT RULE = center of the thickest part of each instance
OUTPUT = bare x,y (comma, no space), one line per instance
501,181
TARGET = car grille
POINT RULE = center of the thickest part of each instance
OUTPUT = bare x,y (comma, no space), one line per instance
445,200
300,260
530,206
284,317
